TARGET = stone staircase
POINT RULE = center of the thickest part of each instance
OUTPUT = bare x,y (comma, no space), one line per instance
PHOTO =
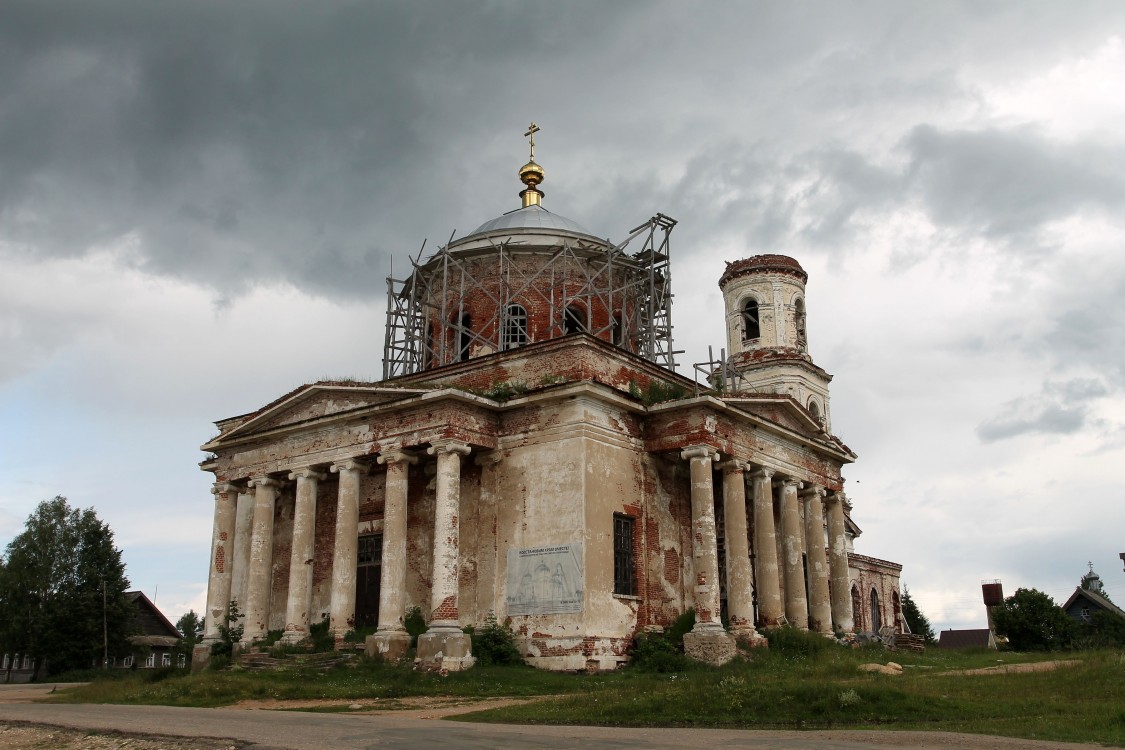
264,662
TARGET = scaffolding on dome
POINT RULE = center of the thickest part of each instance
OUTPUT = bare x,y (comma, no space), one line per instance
426,310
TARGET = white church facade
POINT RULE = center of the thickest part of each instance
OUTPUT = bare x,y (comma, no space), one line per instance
531,453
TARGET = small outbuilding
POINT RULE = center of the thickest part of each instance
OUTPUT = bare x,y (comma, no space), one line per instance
156,637
975,638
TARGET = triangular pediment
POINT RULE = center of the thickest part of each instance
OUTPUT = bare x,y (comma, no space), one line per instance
782,411
314,402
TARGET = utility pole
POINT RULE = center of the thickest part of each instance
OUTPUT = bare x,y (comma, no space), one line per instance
105,632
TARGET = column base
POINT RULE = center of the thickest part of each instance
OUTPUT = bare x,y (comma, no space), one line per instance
293,636
444,649
201,655
710,645
391,645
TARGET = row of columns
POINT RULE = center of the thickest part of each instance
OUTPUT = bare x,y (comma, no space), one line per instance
804,607
243,530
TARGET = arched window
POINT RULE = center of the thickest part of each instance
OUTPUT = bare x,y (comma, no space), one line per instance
857,608
802,337
876,620
617,330
751,328
464,337
515,327
814,409
574,319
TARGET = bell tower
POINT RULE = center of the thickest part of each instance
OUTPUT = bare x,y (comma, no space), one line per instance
767,332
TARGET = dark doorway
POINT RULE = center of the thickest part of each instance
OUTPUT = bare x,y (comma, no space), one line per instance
369,566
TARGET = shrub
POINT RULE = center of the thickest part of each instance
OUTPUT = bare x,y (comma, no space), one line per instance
663,652
321,637
494,643
790,641
415,624
230,633
358,635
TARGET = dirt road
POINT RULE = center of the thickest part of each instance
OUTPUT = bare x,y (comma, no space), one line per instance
290,730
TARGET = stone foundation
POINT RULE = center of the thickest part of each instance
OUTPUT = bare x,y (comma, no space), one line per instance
390,646
448,650
712,646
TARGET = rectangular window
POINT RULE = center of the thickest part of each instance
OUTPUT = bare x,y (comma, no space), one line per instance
127,662
623,579
166,660
369,551
181,661
150,661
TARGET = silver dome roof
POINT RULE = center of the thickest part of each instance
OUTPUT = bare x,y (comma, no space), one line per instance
529,217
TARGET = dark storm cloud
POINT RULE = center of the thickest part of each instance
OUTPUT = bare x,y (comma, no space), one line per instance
256,141
1001,185
253,141
1009,183
1059,409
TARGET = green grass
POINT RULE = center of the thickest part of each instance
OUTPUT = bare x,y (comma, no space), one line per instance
774,689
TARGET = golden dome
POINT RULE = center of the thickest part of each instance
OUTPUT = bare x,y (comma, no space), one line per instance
531,174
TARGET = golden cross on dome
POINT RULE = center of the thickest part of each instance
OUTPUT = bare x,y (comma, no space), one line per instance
531,131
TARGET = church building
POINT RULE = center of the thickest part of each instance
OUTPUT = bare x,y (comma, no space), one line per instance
531,453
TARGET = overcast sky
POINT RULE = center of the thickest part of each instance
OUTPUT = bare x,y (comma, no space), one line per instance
200,201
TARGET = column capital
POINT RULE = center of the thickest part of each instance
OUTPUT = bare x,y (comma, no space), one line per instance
813,490
699,451
448,445
256,482
307,473
489,459
763,472
396,456
788,482
221,488
734,466
348,464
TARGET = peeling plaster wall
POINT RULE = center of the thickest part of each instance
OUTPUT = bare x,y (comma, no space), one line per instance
324,544
881,575
282,544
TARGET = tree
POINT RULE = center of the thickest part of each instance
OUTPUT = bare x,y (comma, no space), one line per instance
63,589
1033,622
191,626
918,622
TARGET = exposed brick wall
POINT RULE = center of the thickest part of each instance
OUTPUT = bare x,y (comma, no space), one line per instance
282,546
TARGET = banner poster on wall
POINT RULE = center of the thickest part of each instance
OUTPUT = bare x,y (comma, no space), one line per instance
545,580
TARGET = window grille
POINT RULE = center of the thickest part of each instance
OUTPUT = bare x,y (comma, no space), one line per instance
370,550
623,581
515,327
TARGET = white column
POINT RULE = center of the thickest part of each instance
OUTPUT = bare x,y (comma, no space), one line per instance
444,611
443,645
705,539
301,556
796,603
707,641
260,583
243,529
770,611
740,582
392,641
342,607
843,619
820,610
218,577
